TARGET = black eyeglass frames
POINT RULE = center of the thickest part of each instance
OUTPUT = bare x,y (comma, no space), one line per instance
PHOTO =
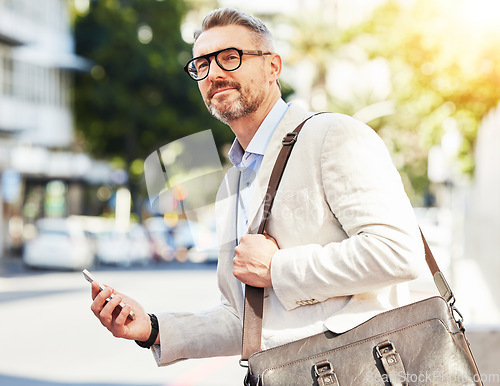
229,59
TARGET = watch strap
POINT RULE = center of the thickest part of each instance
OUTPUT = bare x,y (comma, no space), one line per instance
154,333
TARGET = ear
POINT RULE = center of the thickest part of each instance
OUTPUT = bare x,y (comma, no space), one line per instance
275,67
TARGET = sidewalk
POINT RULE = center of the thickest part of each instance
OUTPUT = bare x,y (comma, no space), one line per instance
484,339
485,345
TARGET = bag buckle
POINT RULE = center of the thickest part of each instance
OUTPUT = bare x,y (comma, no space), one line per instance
290,139
244,362
326,375
385,348
391,362
457,315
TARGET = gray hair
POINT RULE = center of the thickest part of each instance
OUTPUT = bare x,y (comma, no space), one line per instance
229,16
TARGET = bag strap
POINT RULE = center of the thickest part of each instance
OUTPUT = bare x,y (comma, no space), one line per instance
254,296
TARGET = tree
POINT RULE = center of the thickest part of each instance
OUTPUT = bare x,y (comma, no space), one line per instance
136,97
445,74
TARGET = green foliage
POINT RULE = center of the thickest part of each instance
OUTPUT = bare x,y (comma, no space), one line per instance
451,66
451,71
445,73
136,98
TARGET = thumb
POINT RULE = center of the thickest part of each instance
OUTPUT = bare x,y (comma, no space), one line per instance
266,235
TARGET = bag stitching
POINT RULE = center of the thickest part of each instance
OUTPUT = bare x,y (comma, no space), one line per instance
321,333
356,344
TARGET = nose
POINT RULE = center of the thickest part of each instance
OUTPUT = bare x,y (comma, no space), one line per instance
215,71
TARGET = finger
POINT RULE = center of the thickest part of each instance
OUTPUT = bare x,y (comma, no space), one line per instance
113,291
104,294
123,315
237,263
266,235
245,238
106,314
99,300
113,302
95,289
271,238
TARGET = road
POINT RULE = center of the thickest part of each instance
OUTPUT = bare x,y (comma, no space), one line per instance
49,336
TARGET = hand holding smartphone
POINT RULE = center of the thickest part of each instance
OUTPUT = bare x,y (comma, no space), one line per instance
91,279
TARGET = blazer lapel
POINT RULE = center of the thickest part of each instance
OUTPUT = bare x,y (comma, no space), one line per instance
292,118
225,208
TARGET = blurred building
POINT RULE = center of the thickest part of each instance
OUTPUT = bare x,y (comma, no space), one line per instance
482,222
40,172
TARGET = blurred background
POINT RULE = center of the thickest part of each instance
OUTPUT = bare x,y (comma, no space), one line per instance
90,88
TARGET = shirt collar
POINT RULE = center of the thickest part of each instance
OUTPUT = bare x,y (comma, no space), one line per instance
262,137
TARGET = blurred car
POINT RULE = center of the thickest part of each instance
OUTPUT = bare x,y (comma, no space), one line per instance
201,255
141,248
195,242
161,237
185,241
123,248
59,243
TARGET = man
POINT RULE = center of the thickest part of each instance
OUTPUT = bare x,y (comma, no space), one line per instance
341,236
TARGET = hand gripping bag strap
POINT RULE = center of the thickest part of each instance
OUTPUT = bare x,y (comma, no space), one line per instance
254,297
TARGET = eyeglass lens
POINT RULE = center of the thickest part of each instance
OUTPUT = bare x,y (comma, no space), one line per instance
228,59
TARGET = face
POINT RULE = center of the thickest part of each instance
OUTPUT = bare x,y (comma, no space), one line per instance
230,95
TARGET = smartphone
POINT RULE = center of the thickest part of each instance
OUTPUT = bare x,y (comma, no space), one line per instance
91,279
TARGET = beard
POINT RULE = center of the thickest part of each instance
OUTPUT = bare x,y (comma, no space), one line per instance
226,110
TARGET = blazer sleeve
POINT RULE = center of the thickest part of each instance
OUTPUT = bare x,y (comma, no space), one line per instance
365,193
210,333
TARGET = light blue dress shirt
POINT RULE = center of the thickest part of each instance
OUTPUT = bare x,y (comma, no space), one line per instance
248,162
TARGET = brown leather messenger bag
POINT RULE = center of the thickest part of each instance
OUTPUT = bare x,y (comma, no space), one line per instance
420,343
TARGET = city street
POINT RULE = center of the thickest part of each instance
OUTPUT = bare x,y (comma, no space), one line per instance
109,156
49,336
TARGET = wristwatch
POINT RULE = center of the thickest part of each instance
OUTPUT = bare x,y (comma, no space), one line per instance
154,333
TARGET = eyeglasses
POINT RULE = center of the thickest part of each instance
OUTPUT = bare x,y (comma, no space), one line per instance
229,59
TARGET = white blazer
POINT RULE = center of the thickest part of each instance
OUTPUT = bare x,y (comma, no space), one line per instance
347,236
